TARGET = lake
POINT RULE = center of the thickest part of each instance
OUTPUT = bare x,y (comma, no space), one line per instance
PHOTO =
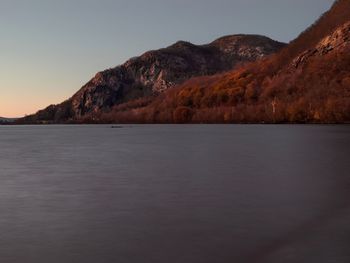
175,194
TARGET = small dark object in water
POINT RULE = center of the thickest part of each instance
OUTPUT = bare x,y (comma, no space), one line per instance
116,127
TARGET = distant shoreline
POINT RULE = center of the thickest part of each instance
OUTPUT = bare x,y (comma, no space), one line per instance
121,125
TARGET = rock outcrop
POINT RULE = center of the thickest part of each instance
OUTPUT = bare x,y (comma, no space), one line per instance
339,39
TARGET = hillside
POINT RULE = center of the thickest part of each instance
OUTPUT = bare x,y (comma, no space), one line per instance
155,72
307,82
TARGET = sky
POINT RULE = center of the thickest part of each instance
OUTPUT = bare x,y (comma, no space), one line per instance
50,48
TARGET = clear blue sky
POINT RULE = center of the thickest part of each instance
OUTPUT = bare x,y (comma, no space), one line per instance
50,48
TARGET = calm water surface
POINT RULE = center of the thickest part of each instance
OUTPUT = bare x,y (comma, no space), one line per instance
175,194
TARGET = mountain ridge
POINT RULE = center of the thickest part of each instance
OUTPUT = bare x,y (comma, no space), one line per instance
156,71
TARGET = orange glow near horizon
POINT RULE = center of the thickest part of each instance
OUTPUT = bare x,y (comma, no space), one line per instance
22,107
8,111
17,102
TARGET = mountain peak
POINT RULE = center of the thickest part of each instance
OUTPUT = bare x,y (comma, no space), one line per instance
237,38
182,44
249,46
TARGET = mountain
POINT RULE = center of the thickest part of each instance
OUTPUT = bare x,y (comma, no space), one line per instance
155,72
306,82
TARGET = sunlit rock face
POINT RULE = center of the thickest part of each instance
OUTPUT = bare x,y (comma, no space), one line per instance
335,42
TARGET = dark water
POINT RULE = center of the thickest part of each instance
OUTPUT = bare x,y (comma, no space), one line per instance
175,194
